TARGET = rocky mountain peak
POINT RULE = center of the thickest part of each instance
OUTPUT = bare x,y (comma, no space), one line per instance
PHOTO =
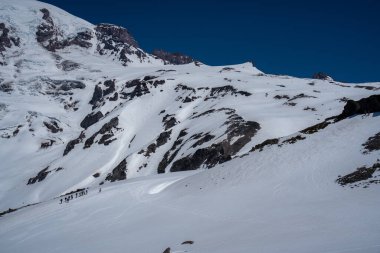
117,33
172,58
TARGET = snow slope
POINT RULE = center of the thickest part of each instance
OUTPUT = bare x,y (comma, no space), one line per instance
283,199
214,154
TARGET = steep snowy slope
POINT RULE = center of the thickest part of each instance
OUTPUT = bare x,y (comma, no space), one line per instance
227,156
281,199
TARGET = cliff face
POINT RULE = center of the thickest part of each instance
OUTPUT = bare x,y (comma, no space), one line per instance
172,58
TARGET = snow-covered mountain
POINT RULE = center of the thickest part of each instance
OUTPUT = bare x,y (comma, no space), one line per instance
262,163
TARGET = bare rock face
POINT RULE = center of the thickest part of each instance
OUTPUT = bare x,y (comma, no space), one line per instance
238,133
100,93
71,144
53,126
40,176
6,86
106,132
110,87
96,96
6,41
117,41
209,156
321,76
50,36
361,174
372,144
220,152
118,173
167,250
172,58
140,87
47,144
161,140
91,119
172,152
169,121
111,33
224,91
370,104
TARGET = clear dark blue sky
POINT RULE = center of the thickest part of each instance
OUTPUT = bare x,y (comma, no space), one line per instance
294,37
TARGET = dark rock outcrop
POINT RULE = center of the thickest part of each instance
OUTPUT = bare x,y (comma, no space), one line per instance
169,121
172,152
370,104
10,131
99,93
6,87
281,97
71,144
172,58
372,144
161,140
205,138
366,87
50,36
301,95
115,97
69,65
187,242
260,147
294,139
40,176
6,40
227,69
117,41
239,133
225,90
96,96
133,83
321,76
118,173
361,174
184,88
47,144
140,87
118,34
167,250
53,126
106,131
209,157
315,128
91,119
110,84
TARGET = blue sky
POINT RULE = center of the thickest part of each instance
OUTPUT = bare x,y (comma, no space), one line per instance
299,38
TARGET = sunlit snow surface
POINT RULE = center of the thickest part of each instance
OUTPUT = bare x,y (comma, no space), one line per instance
282,199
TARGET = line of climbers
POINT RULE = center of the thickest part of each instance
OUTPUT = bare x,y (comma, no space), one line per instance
67,198
78,194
